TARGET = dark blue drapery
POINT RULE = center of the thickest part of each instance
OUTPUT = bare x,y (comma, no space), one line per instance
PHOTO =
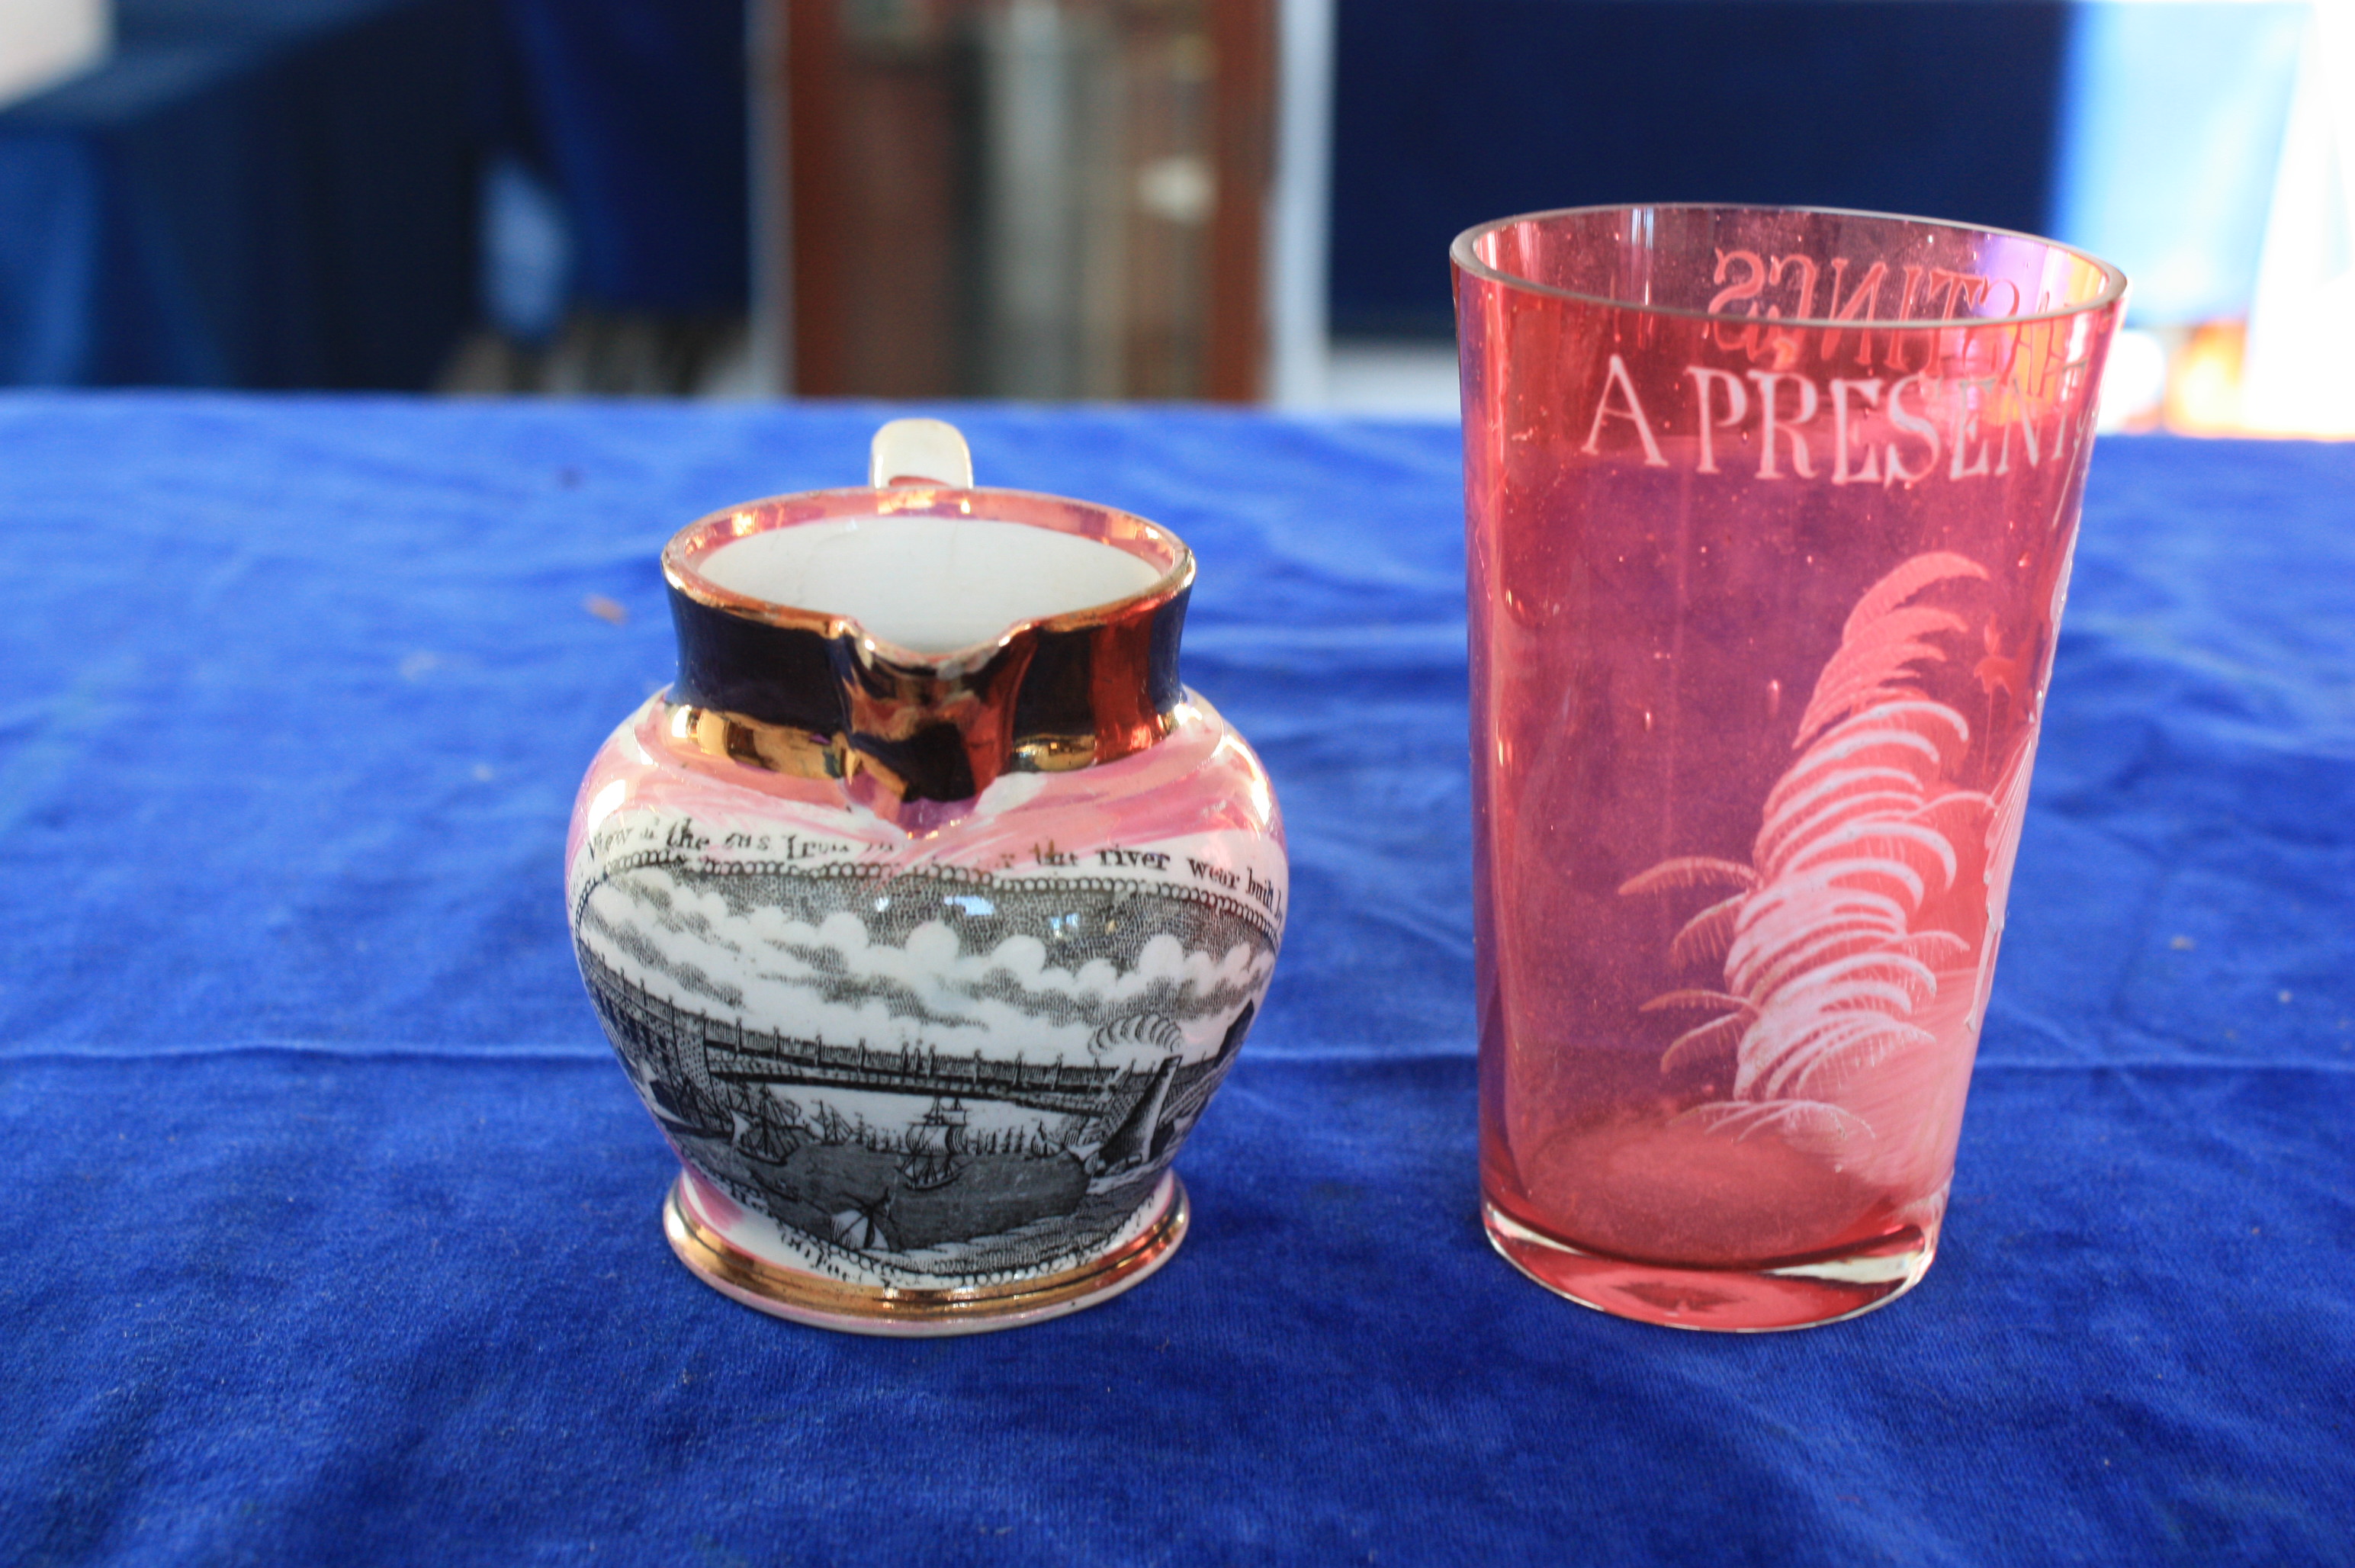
253,193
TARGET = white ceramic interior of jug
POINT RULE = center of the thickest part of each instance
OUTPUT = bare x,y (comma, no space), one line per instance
928,584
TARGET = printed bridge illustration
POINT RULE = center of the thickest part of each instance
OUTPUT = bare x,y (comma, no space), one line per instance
799,1063
717,1054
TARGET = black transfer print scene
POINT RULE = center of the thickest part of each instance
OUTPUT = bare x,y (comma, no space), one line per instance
984,1074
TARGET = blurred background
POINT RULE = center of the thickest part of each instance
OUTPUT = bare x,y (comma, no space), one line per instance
1243,200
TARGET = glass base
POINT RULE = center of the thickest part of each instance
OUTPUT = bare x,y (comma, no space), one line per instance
1798,1294
904,1312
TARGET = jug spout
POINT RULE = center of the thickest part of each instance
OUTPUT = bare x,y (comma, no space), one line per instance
919,742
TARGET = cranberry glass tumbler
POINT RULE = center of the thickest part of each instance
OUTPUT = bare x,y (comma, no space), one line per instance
1770,515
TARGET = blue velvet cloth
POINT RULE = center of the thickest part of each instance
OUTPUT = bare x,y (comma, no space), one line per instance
251,193
332,1232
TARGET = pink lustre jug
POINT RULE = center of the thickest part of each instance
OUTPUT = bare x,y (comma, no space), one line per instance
925,908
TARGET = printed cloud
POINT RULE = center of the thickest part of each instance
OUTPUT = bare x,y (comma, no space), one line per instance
966,973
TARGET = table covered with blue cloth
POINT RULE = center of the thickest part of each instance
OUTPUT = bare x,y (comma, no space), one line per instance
331,1226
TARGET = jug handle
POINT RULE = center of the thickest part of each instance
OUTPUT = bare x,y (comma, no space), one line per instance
919,452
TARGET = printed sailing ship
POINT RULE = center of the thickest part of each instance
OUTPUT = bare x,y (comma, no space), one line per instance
936,1153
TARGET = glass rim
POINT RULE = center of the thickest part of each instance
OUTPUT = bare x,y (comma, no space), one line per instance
1461,253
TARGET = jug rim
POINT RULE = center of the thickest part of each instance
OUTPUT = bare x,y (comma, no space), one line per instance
1126,531
910,734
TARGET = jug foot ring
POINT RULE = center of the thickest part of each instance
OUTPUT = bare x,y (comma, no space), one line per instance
909,1313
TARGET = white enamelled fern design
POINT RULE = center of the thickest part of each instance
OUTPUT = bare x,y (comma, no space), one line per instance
1853,938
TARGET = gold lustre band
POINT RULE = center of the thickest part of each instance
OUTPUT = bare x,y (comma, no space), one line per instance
712,1255
798,753
779,748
